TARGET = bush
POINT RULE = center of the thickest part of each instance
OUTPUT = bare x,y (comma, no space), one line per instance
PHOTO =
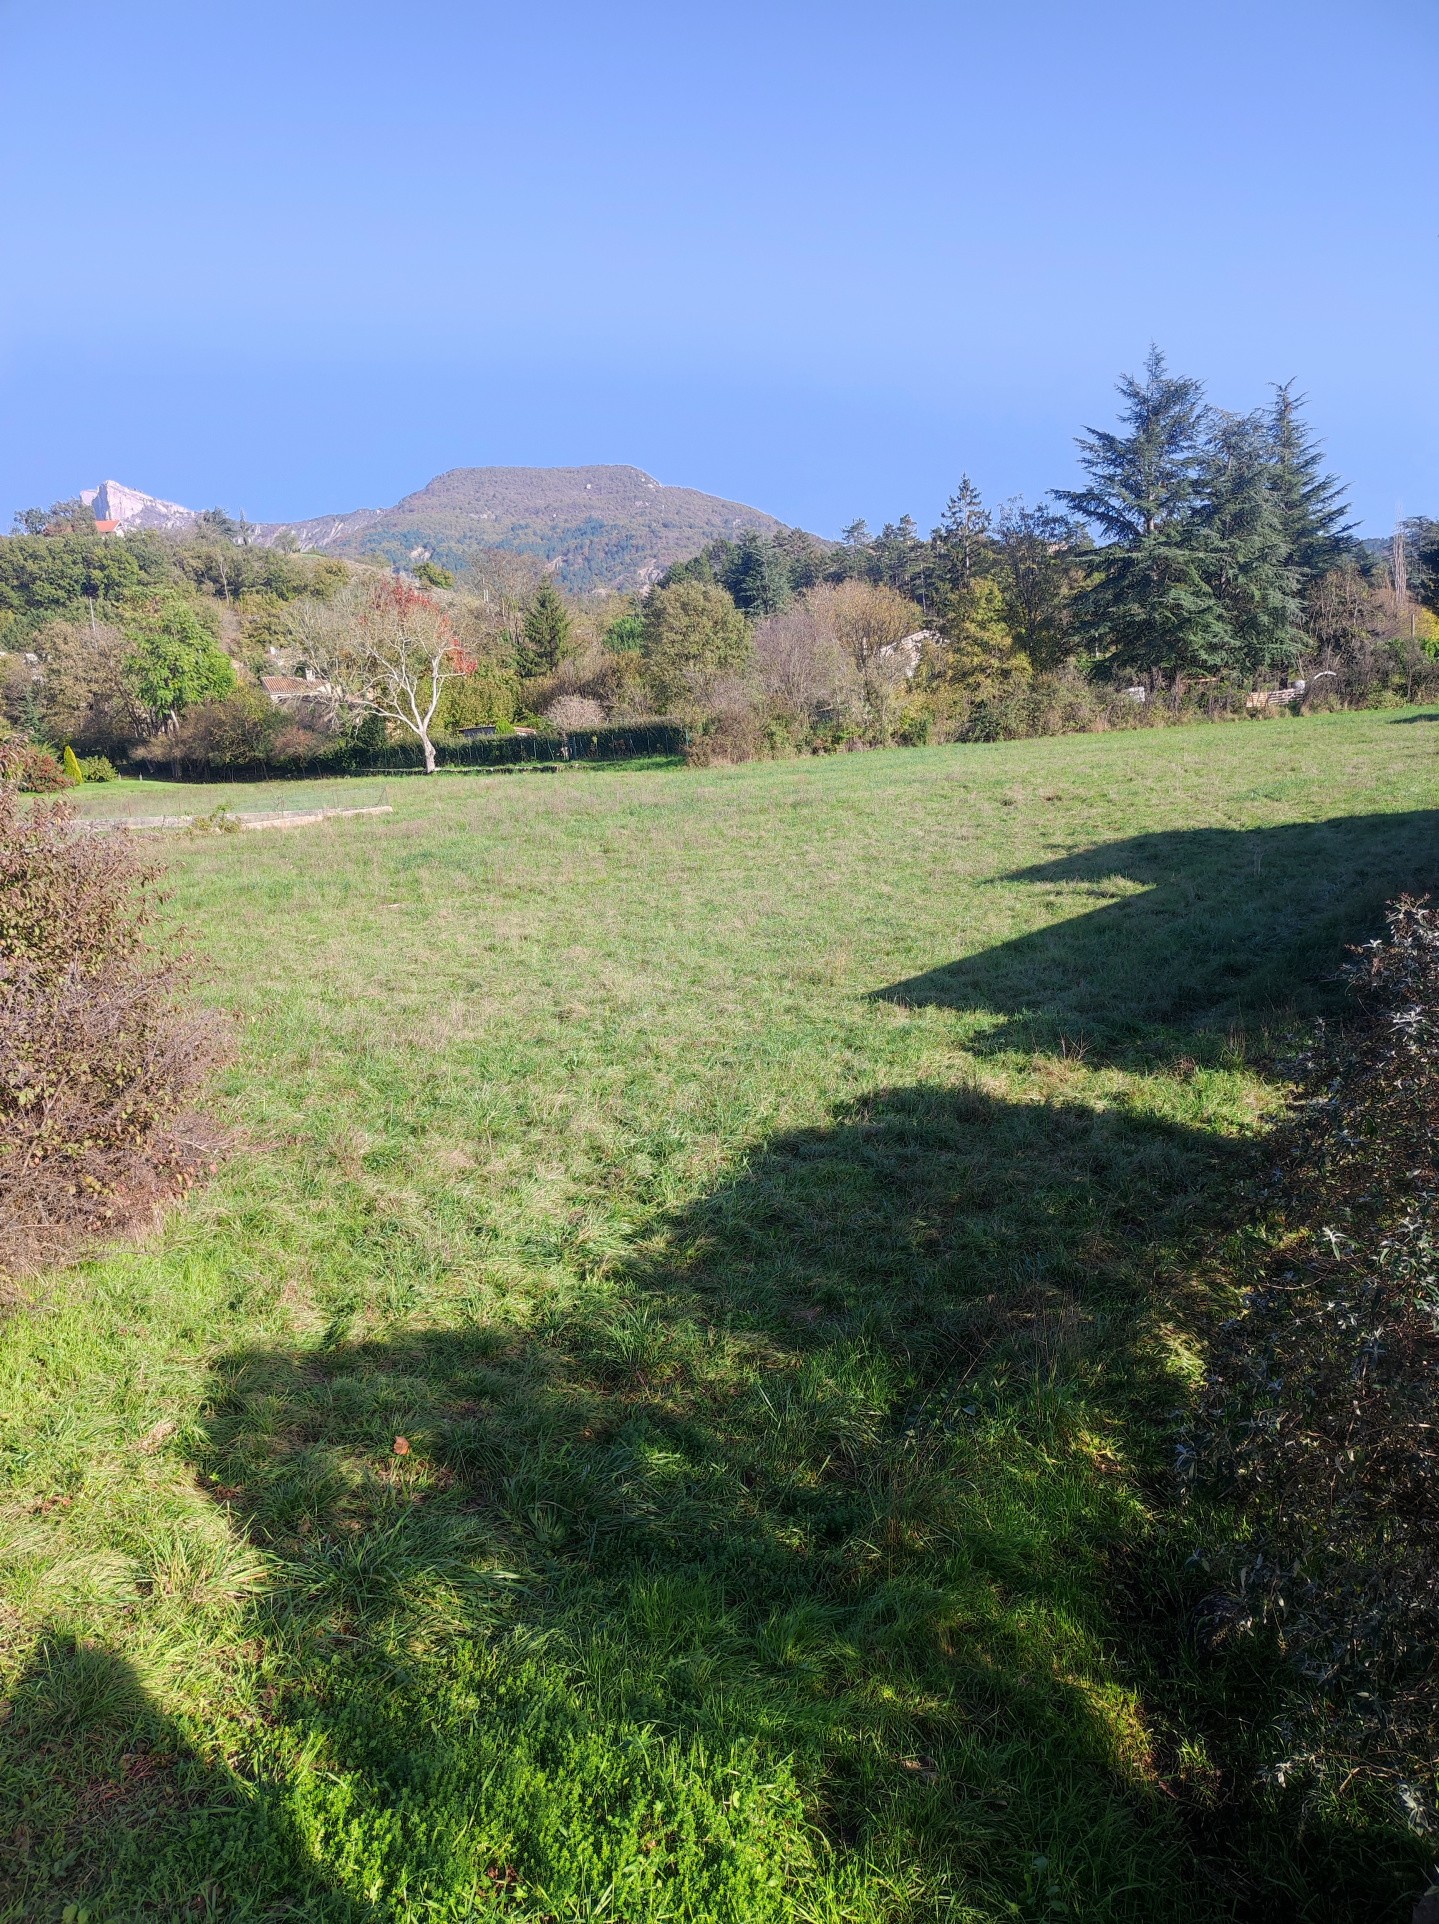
735,732
97,768
1321,1415
99,1055
574,711
1064,703
231,731
32,769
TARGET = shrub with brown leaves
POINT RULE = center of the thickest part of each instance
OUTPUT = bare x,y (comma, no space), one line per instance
100,1053
36,770
1321,1418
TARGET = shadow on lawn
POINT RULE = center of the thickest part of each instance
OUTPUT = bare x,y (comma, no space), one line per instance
822,1494
807,1538
1233,927
104,1800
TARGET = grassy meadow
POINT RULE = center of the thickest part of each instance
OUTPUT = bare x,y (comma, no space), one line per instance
665,1411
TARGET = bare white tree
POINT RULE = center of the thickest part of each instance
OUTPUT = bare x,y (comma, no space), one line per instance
388,649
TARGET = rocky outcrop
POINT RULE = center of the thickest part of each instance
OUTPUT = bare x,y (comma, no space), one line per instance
113,501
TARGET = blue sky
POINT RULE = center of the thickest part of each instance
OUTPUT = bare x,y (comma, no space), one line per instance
295,258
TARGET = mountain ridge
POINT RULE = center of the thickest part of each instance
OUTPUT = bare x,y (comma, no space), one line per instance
598,527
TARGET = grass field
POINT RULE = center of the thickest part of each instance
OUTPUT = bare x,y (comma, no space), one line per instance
769,1206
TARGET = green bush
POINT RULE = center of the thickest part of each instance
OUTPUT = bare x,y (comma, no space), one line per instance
97,768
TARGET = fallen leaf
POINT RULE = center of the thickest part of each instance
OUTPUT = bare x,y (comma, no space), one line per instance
402,1446
154,1438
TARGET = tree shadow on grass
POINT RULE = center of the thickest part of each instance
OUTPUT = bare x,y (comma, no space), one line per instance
775,1568
107,1812
783,1571
1226,930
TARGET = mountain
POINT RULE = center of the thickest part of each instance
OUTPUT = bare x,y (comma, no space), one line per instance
113,501
596,528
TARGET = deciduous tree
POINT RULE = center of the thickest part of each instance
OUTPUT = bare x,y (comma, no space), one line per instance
1034,556
390,650
693,632
61,517
173,659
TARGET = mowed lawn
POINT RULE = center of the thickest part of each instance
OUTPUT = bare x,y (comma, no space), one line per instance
666,1409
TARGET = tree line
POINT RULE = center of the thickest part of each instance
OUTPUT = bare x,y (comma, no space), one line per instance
1204,554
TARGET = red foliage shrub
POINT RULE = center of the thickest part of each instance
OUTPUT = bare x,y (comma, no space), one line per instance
100,1054
32,768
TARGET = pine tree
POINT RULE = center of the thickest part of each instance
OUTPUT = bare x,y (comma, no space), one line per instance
545,634
756,576
900,560
1422,536
1149,605
1248,557
1310,504
961,541
1143,481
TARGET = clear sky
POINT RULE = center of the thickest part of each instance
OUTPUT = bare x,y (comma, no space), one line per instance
296,256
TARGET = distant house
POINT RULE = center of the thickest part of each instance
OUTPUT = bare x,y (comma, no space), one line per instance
283,689
107,527
308,700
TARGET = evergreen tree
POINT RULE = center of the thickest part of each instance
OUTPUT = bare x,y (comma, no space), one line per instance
901,560
756,576
625,634
1310,504
1422,538
961,541
1248,556
1034,562
544,635
1147,479
1149,605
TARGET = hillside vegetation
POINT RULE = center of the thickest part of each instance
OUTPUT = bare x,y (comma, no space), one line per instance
1206,569
668,1410
597,527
